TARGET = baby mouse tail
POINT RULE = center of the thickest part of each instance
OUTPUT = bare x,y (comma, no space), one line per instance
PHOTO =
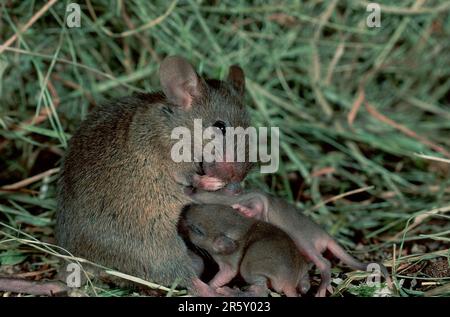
341,254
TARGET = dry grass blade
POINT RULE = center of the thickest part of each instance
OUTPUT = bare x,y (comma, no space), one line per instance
27,25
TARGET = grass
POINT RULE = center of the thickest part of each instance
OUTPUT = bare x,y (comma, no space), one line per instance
364,115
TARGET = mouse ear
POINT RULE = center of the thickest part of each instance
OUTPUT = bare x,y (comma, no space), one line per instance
179,81
237,79
224,245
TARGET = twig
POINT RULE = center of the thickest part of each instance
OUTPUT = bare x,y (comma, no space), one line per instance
73,85
30,22
323,171
325,16
34,273
438,290
356,105
336,57
340,196
41,117
371,109
30,180
141,37
420,219
315,78
146,26
432,158
445,6
45,112
141,281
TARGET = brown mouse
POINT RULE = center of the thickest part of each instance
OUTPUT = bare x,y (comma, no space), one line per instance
311,240
262,253
119,197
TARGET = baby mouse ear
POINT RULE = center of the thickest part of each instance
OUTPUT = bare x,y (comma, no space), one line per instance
179,81
224,245
237,79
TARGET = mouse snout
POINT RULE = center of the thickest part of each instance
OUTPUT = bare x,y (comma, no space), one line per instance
233,188
229,172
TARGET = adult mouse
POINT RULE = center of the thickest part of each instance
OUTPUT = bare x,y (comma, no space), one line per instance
119,192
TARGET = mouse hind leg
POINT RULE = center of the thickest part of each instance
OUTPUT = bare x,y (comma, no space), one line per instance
290,291
342,255
258,286
255,290
304,284
284,285
224,276
254,276
324,267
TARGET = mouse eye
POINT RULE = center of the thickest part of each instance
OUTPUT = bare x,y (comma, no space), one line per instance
196,230
220,125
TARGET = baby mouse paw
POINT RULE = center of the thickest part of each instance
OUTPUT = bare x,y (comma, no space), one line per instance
245,211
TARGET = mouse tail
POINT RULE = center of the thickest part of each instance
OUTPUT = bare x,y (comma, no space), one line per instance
341,254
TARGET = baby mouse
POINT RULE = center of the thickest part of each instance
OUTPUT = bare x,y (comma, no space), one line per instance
311,240
263,254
